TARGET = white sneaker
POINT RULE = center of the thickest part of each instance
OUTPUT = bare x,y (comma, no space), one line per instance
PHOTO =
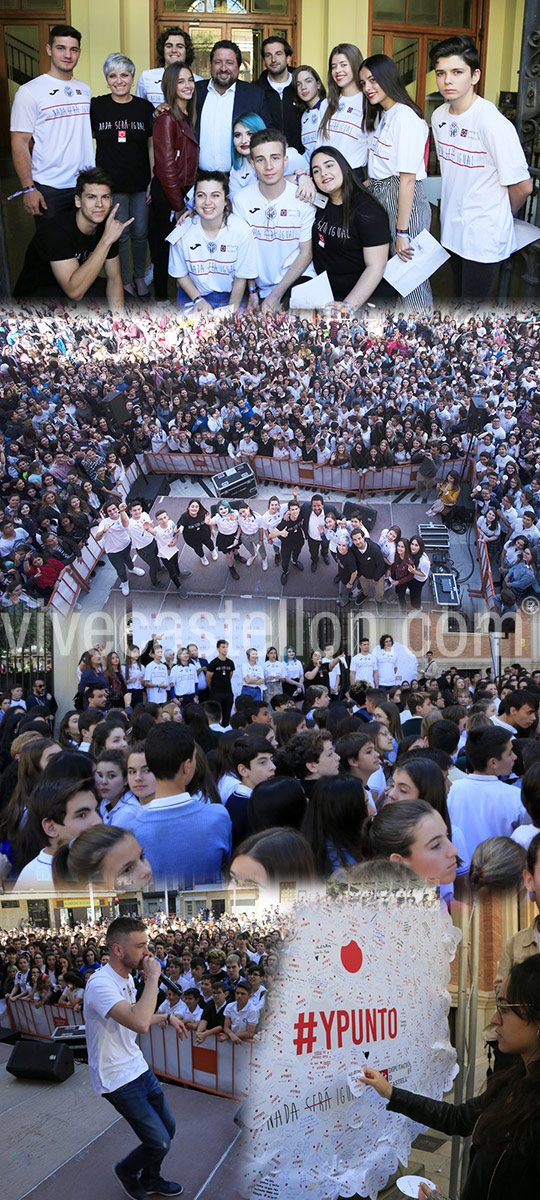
250,560
124,588
265,564
135,571
214,554
205,561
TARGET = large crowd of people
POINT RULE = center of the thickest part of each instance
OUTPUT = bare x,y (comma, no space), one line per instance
178,770
324,392
244,190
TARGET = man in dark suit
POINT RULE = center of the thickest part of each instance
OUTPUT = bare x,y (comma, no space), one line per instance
313,514
220,100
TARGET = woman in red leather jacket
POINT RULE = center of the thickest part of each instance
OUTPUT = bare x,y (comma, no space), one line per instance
176,157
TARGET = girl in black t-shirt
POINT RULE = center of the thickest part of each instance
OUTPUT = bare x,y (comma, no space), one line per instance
351,236
195,531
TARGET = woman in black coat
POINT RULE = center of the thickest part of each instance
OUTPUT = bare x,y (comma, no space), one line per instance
503,1122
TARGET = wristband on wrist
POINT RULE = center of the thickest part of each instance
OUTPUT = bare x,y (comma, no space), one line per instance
402,233
252,288
198,300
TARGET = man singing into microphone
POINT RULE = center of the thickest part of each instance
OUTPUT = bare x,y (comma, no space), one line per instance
118,1070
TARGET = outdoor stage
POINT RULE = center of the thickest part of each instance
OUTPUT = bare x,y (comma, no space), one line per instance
63,1139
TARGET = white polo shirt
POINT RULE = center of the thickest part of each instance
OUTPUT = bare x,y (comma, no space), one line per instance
213,261
279,226
36,875
114,1057
483,807
480,156
241,1018
57,114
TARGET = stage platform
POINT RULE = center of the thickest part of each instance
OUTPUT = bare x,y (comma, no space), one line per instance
61,1140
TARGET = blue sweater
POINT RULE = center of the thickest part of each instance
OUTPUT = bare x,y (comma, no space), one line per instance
186,842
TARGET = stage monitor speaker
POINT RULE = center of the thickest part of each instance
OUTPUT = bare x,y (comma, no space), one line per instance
235,482
477,417
50,1061
147,489
368,516
115,404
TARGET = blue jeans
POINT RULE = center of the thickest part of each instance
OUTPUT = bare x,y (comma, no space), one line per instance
145,1108
132,204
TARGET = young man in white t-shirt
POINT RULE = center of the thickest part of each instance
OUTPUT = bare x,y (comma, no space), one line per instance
53,112
364,666
173,45
118,1070
156,678
58,812
281,223
485,177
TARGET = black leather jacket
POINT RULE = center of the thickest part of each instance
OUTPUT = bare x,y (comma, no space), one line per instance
492,1175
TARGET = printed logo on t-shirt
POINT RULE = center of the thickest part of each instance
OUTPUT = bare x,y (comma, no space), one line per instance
212,247
454,129
68,91
270,213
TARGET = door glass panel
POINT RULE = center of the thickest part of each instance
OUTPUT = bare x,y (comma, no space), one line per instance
432,101
269,6
203,38
457,13
50,5
377,43
423,12
405,55
22,55
389,10
246,39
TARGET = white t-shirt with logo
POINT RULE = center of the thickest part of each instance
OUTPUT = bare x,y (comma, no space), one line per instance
279,226
213,261
480,156
149,85
114,1057
363,666
157,674
344,130
57,114
398,144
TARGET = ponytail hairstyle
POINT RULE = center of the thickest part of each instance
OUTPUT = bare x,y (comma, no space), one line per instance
81,859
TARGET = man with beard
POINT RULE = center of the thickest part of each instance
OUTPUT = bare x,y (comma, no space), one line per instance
114,1018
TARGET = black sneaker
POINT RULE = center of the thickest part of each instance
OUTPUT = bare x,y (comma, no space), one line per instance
313,567
184,574
284,576
234,573
299,566
131,1184
164,1187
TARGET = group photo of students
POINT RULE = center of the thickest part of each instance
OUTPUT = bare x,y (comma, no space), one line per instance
217,193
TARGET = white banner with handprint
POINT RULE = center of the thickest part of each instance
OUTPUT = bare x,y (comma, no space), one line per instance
364,983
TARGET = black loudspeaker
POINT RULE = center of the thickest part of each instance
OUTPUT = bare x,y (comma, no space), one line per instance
236,481
147,489
368,516
51,1061
115,404
477,414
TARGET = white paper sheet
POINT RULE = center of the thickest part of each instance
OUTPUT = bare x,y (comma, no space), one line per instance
315,293
525,233
429,255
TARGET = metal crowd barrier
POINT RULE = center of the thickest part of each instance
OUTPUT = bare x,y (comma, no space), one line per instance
219,1066
323,478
